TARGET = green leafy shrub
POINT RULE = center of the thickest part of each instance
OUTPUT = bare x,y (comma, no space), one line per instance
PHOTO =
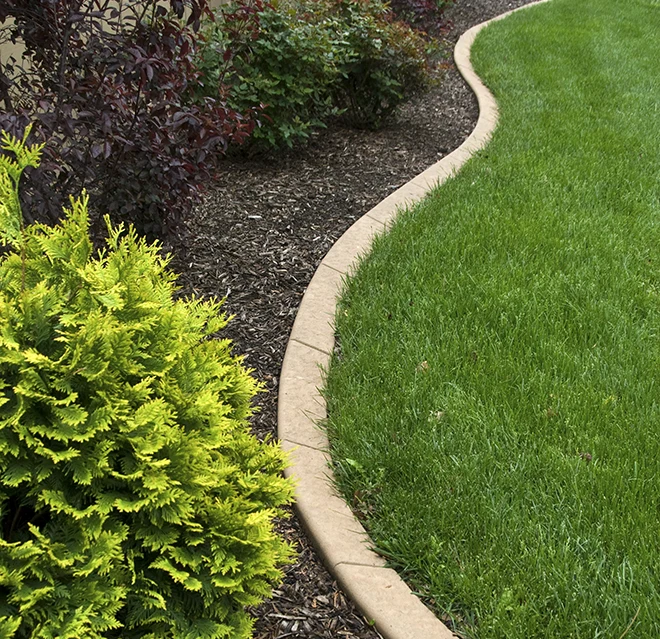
133,500
270,57
385,61
305,62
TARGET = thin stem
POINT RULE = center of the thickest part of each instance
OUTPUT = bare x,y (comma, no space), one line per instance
136,112
14,521
64,54
23,237
6,84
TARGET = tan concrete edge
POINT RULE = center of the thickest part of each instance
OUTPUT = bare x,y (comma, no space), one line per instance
378,591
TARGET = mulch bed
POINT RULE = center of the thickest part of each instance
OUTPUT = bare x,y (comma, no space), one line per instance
257,239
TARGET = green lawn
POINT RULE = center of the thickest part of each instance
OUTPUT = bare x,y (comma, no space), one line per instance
495,410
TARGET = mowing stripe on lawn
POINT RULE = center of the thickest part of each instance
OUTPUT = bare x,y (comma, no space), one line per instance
494,409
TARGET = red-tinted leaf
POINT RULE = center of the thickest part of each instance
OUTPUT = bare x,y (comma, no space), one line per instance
106,123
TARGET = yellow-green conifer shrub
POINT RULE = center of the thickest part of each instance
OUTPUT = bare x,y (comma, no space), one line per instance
133,500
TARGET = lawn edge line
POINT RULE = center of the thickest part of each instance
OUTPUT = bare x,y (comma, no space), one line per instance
379,592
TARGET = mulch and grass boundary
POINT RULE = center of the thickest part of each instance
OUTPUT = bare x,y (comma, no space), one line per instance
264,227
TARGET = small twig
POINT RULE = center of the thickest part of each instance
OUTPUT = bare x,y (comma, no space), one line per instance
630,625
23,238
64,53
287,617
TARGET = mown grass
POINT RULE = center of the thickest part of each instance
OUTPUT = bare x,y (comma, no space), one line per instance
495,410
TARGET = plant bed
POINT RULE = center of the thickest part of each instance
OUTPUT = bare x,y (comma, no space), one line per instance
258,237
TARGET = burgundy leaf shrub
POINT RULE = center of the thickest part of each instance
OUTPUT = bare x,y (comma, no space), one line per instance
106,90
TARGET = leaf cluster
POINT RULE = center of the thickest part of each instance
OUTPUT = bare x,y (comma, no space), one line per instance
134,502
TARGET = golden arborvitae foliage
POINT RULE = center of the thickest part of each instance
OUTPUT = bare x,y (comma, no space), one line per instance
133,500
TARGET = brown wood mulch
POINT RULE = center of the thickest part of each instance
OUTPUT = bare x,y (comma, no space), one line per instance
257,238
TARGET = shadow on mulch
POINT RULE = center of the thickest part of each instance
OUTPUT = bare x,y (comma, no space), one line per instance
257,239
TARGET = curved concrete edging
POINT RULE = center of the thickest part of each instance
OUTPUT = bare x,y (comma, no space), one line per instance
378,591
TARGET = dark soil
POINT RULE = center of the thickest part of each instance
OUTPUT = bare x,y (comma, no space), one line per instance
257,239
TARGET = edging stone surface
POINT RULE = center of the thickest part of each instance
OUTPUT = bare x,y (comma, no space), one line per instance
378,591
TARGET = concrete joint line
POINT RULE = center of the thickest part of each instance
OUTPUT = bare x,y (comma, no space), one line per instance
315,347
334,269
378,591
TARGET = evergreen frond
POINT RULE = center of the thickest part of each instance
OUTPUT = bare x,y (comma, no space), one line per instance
11,217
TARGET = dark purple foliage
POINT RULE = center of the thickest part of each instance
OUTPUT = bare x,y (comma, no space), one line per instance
107,91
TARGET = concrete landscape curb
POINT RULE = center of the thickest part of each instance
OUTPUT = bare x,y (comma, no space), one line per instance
378,591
